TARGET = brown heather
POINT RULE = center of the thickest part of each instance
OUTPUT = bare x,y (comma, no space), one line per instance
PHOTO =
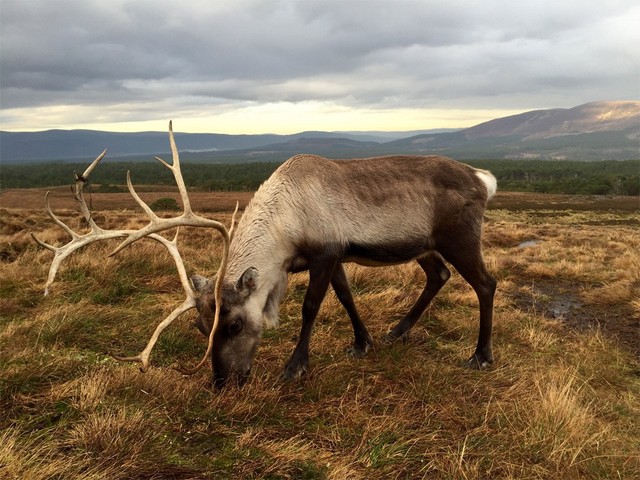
561,401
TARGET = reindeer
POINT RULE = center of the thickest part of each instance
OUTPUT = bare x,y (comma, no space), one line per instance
316,214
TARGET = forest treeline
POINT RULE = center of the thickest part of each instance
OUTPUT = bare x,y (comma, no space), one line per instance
609,177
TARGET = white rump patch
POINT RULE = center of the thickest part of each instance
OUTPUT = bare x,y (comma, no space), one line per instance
489,181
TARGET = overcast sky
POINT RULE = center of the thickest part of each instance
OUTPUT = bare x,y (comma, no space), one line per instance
283,66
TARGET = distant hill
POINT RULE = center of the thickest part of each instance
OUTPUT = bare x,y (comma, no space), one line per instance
19,147
79,144
593,131
71,145
540,124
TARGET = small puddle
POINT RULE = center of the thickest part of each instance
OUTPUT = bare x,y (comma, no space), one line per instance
528,243
562,309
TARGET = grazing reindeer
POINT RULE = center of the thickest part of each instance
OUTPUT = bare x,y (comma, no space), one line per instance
314,214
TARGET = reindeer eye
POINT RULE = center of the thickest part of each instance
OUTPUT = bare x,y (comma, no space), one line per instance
235,327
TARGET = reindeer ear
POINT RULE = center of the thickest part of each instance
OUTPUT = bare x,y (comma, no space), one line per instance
199,282
248,281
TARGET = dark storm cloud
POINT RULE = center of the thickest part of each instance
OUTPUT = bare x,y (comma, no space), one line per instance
376,54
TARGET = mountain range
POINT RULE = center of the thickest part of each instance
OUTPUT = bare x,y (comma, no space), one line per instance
593,131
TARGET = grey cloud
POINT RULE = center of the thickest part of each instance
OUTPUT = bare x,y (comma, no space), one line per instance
385,54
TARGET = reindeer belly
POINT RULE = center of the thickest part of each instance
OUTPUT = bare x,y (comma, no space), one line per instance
388,253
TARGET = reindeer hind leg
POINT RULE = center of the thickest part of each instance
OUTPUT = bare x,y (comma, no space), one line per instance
437,275
466,257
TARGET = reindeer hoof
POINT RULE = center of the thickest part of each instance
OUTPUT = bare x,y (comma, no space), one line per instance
359,351
295,371
390,338
479,362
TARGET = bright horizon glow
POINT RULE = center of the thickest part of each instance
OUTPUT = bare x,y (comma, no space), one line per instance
276,118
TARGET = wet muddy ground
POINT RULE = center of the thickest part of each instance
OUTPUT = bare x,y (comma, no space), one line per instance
607,225
560,301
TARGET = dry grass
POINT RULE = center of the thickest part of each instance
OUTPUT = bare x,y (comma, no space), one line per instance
33,198
562,401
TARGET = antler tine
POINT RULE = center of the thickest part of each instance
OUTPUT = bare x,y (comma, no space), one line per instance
43,244
87,172
59,255
150,213
57,221
232,229
172,248
144,356
81,181
188,218
177,172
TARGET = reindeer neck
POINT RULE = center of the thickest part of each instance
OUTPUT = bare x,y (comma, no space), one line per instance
259,243
256,244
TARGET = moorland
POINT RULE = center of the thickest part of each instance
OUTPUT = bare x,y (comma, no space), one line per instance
561,401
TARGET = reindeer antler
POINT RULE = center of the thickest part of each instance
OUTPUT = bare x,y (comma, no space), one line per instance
157,224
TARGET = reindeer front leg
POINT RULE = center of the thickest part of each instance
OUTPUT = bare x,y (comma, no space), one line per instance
320,273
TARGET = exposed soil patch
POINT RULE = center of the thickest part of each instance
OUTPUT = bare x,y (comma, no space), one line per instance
561,301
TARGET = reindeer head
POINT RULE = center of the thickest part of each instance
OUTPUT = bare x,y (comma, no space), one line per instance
225,312
239,328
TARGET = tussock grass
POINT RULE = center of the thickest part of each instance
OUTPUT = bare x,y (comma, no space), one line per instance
562,400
